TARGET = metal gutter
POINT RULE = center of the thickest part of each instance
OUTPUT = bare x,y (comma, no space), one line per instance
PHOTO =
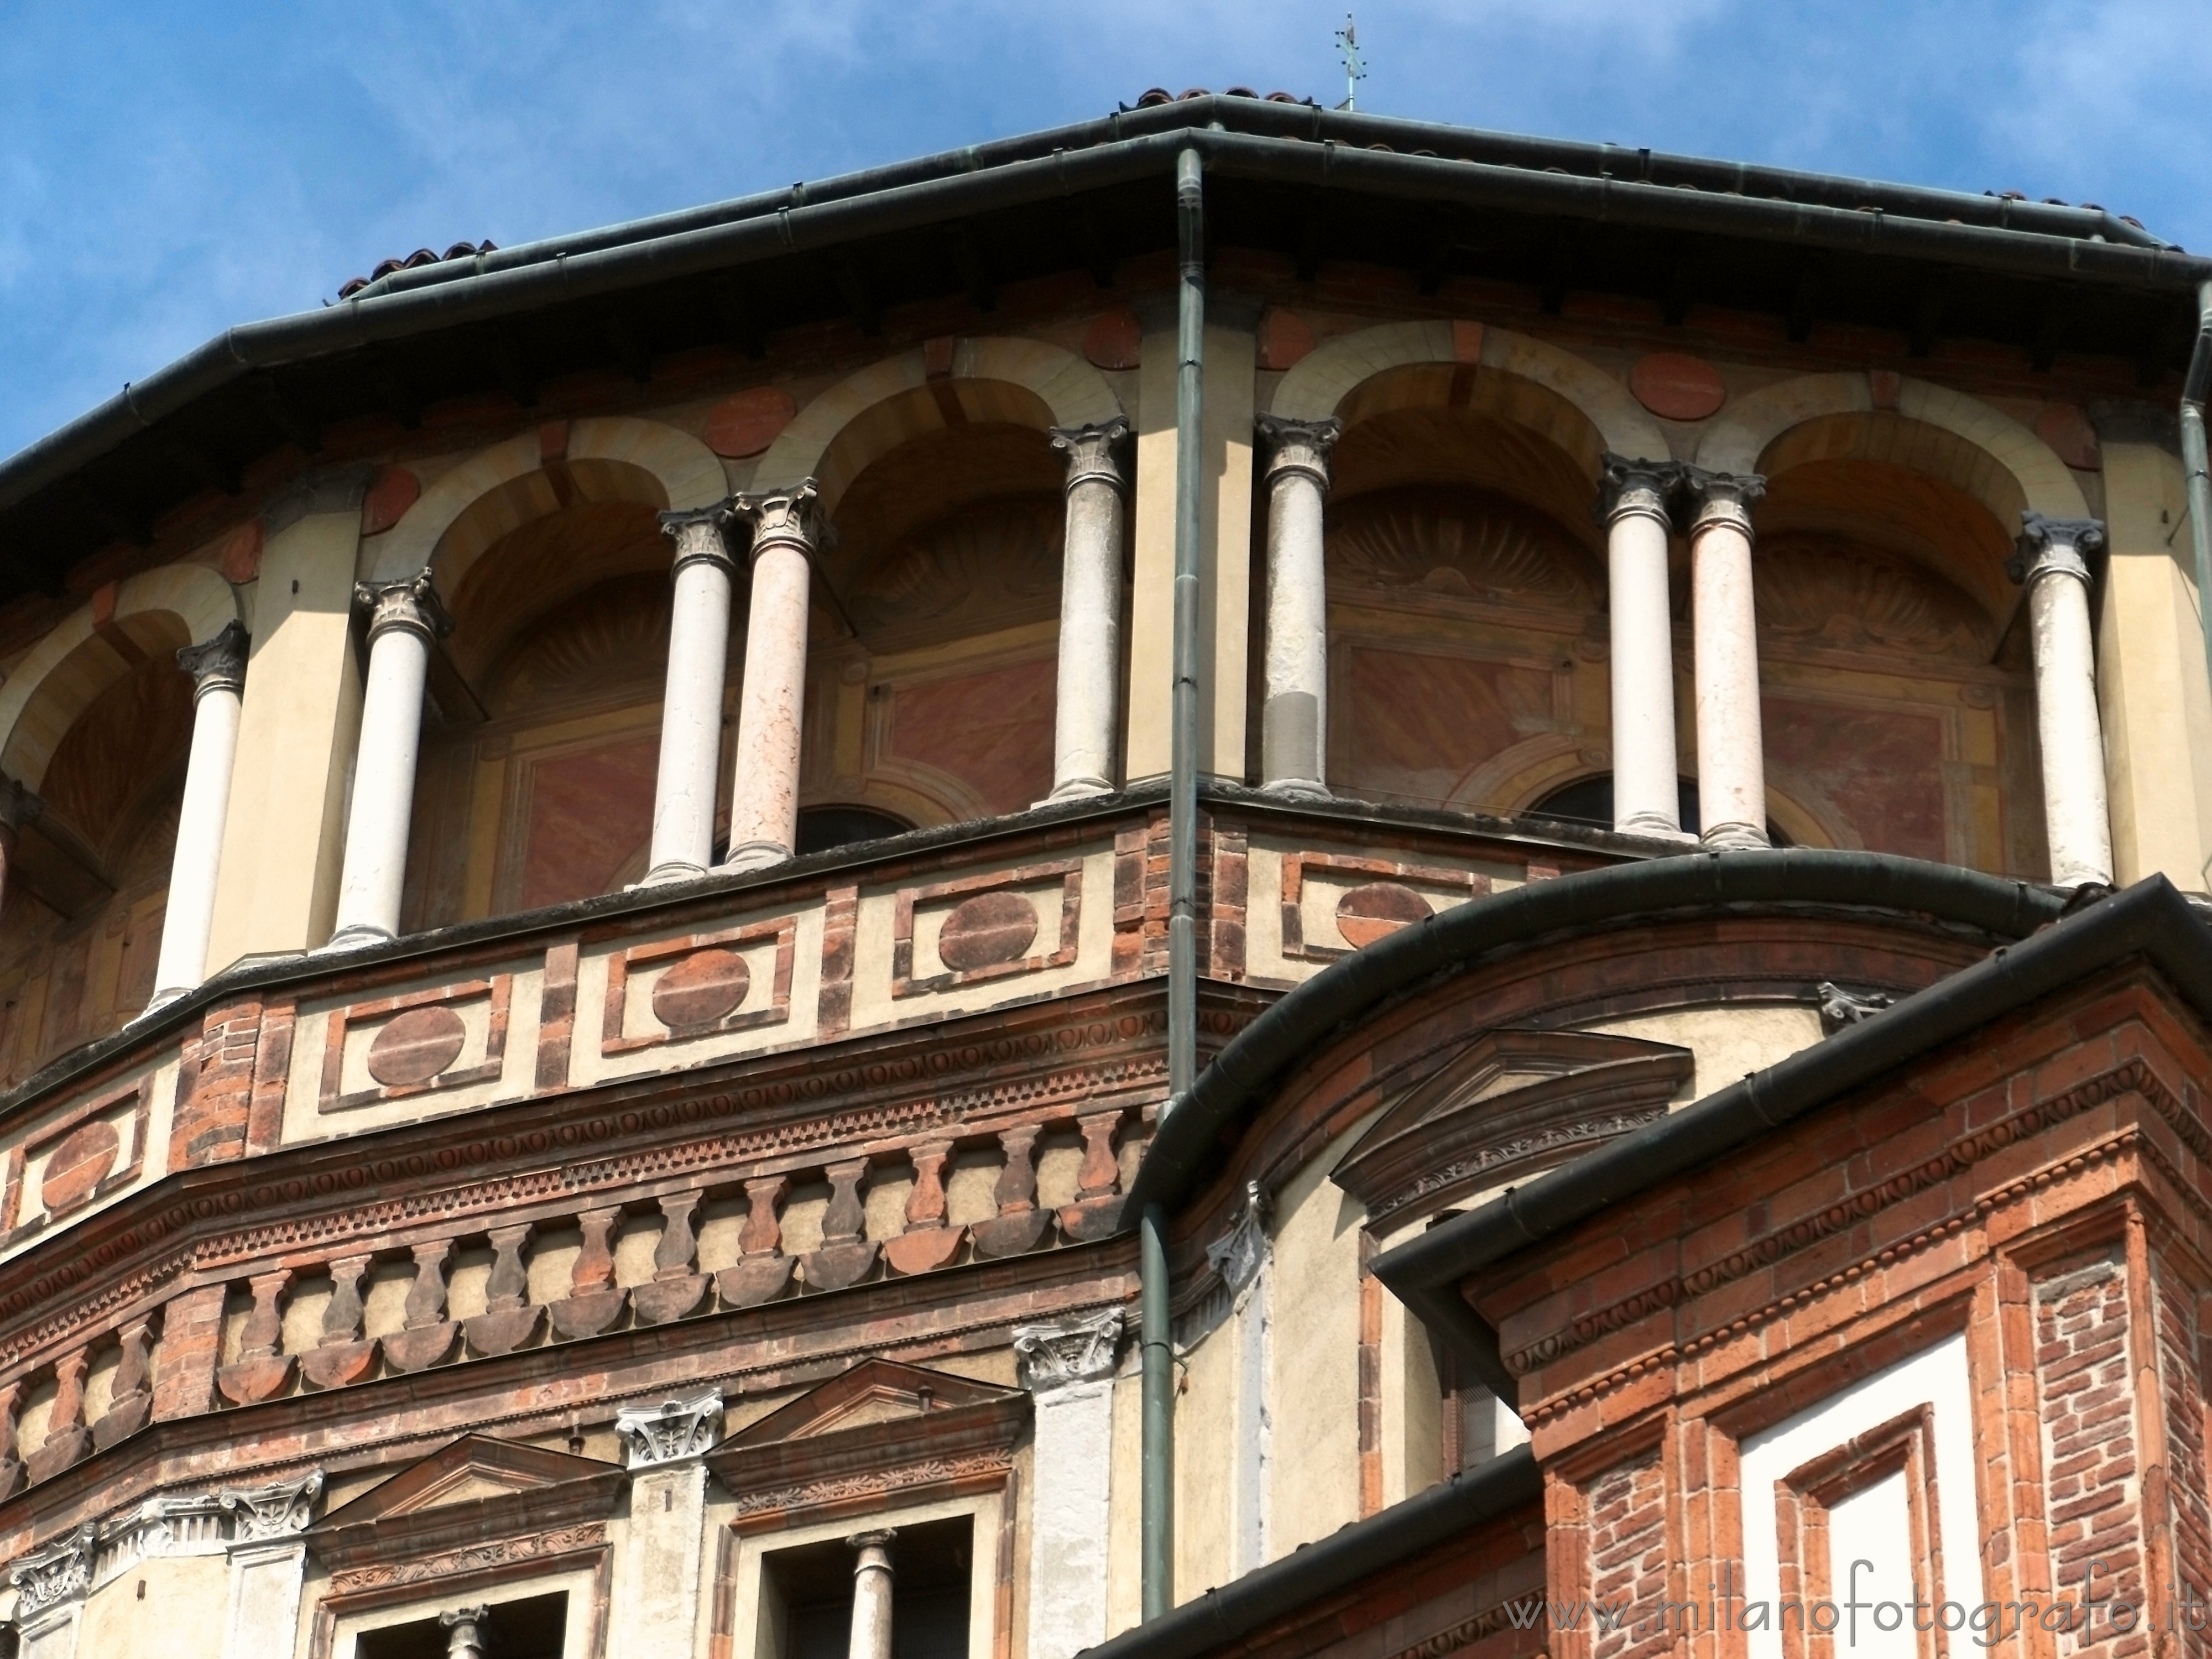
2150,920
1336,1563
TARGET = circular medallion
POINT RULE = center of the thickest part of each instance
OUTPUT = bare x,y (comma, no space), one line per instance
79,1164
748,422
392,492
1377,910
1676,386
987,930
415,1046
1285,337
1115,339
699,990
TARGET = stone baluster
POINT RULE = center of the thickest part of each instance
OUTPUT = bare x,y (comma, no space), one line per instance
872,1595
404,619
762,1269
1097,1211
19,808
771,701
1731,757
131,1398
11,1461
218,671
2053,562
845,1255
594,1301
1631,505
67,1439
1294,714
927,1243
1019,1225
426,1335
1086,717
677,1287
341,1354
263,1370
691,711
509,1318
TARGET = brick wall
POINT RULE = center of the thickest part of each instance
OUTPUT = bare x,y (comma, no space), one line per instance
1624,1530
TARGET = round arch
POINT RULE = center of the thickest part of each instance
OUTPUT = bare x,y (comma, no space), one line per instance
2024,473
62,674
832,440
616,457
1326,378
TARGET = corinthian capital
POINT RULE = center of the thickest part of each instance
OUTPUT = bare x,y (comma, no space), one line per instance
697,533
412,605
782,518
2054,547
275,1509
1628,488
1052,1355
1299,446
1721,497
1092,452
217,663
670,1431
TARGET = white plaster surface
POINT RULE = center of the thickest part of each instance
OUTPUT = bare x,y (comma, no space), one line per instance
1069,1516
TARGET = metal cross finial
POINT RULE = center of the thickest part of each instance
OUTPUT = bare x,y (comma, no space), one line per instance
1355,66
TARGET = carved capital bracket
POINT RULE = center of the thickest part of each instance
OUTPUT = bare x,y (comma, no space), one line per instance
1631,489
1077,1351
277,1509
698,533
2054,547
670,1431
1721,497
60,1572
412,605
18,807
218,663
782,518
1840,1008
1238,1255
1094,452
1298,446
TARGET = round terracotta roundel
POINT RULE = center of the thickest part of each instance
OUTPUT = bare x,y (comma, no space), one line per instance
415,1046
1676,386
76,1166
699,990
1377,910
987,930
748,422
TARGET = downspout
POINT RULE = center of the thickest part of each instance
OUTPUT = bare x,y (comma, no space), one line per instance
2193,392
1155,1331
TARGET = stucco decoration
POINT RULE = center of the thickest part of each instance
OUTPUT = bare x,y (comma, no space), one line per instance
2030,475
1322,380
58,679
609,457
834,440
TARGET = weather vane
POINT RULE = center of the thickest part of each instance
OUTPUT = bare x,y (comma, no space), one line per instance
1355,66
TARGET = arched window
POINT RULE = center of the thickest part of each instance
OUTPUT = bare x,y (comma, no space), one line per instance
1589,801
821,828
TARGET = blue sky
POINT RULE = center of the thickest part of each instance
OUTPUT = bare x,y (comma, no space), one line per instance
167,169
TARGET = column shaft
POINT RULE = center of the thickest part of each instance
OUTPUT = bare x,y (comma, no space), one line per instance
406,616
1632,507
771,706
2052,563
691,708
218,667
872,1596
1294,714
1086,715
1731,760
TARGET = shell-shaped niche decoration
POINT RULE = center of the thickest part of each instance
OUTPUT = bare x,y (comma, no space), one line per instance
1460,544
991,562
1824,591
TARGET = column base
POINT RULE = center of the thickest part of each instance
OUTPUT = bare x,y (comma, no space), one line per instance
1651,826
1736,837
1075,789
662,875
161,999
360,936
752,855
1296,789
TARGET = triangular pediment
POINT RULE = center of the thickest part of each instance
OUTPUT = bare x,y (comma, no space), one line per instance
874,1391
470,1469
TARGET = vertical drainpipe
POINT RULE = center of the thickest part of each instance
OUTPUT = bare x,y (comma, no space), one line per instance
1158,1356
2193,393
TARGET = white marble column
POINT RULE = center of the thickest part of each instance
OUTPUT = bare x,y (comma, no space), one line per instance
1294,714
405,618
772,702
1070,1372
872,1595
18,808
1731,761
2053,561
1631,505
1087,714
218,671
691,709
